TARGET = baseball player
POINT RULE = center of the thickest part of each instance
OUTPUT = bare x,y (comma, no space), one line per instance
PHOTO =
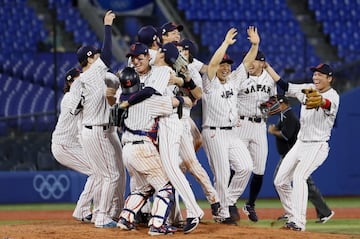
285,132
66,146
223,147
170,32
187,153
148,35
142,158
96,142
317,117
171,128
256,87
112,83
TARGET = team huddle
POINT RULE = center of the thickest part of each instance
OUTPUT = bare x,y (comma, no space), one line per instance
138,120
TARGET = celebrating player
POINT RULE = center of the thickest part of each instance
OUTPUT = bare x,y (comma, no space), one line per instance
256,87
317,117
66,146
223,147
96,142
285,132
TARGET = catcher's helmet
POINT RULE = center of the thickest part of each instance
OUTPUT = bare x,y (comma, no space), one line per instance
129,80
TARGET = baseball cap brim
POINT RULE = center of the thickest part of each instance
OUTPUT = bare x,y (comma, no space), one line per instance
229,61
323,68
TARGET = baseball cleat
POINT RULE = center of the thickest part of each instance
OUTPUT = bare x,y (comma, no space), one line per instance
111,224
163,230
86,219
250,212
191,224
228,221
292,226
125,225
325,219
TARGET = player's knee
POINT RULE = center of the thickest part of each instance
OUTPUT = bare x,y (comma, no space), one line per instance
277,182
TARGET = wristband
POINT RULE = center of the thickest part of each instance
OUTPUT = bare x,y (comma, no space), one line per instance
189,84
327,104
283,85
180,99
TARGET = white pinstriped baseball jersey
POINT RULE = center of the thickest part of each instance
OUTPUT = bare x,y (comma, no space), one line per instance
219,103
160,106
152,54
316,125
196,64
76,102
253,91
159,78
97,108
66,130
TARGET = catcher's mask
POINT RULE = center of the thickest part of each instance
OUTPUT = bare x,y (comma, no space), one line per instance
129,80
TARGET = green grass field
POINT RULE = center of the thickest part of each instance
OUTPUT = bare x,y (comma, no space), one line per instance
342,226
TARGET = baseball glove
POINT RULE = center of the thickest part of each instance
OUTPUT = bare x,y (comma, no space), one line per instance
313,98
181,66
270,107
111,80
116,114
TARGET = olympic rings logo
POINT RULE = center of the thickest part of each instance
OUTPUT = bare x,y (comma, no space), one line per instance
51,186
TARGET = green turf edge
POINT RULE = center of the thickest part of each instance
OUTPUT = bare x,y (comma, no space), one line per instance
344,202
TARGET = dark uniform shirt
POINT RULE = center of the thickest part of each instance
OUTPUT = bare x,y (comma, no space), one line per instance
289,126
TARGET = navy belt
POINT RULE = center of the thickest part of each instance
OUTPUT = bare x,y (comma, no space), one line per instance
105,127
252,119
222,128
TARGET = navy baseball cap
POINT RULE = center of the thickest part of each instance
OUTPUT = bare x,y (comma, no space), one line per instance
71,74
147,34
227,59
260,56
323,68
86,51
138,48
171,26
171,53
189,45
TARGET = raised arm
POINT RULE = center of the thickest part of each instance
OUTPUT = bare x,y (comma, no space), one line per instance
220,52
106,53
254,39
276,77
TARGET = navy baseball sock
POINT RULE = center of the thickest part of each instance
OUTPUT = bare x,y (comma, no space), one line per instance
255,186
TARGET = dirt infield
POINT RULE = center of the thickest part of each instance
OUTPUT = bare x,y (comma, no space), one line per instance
59,224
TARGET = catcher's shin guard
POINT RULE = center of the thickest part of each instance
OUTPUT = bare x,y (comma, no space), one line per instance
163,202
133,204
